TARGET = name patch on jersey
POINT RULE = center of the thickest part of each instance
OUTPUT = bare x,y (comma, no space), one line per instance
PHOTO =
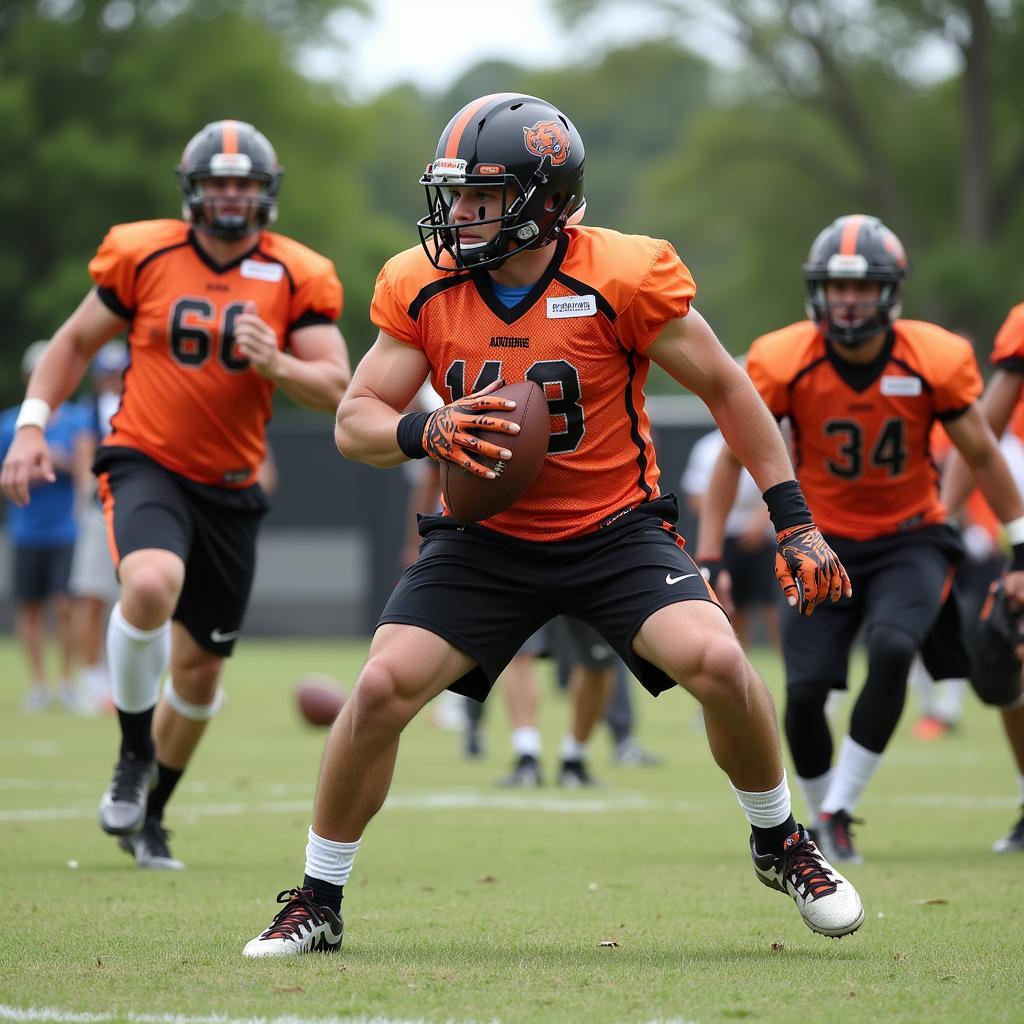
901,386
258,271
575,305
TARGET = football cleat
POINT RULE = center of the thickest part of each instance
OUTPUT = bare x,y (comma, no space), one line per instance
123,805
827,902
835,838
574,775
1013,842
526,773
301,927
630,751
149,847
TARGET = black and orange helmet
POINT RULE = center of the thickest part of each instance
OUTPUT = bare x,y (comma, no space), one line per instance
229,149
520,144
862,248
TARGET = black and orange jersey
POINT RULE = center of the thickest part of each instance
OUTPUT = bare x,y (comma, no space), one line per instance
1008,350
580,333
190,402
861,434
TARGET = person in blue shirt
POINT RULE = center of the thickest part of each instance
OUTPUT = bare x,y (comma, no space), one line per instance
42,537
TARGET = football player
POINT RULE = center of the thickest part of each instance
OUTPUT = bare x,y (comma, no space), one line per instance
218,311
862,389
508,285
1003,403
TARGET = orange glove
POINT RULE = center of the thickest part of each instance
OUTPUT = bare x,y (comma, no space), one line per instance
807,569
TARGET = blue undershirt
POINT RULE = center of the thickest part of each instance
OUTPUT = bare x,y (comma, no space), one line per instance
510,295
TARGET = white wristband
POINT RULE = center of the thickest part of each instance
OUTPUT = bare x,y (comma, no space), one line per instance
34,412
1015,531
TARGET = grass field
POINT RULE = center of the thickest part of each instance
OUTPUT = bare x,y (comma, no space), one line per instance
470,903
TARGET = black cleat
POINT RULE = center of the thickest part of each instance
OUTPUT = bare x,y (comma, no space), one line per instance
835,838
1013,842
526,773
149,847
574,775
123,805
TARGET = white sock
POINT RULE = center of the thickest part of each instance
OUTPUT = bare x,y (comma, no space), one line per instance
1020,782
572,749
852,773
949,700
921,683
766,810
328,860
813,791
526,741
137,658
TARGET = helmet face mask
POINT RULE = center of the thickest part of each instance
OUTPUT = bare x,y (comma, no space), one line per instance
223,151
855,248
519,145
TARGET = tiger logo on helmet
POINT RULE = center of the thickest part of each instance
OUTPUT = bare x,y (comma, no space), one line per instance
550,139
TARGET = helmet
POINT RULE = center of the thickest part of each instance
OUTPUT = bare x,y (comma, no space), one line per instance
520,144
229,149
861,248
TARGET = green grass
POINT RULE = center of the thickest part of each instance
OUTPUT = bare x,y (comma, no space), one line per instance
470,903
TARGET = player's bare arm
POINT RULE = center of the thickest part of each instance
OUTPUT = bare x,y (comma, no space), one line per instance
718,500
807,569
55,378
974,440
371,428
688,349
998,402
315,372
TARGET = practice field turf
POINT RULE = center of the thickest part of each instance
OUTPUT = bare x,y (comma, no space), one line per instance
633,903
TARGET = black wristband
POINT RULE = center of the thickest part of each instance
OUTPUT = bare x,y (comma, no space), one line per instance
410,434
1017,562
786,506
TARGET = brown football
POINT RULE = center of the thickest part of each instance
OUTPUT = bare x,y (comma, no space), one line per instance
471,498
319,698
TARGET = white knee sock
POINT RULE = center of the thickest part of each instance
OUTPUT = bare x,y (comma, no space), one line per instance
814,792
768,809
137,659
526,741
850,776
328,860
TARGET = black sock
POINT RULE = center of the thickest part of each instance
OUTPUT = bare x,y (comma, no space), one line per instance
770,840
325,894
137,735
166,780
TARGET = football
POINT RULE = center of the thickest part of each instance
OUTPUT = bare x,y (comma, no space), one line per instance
319,698
471,498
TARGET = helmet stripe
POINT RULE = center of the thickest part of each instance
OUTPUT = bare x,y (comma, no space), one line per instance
455,135
851,230
229,131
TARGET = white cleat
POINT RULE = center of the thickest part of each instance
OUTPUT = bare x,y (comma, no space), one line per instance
1013,841
301,927
827,902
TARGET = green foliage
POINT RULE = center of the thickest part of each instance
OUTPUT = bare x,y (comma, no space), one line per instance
827,111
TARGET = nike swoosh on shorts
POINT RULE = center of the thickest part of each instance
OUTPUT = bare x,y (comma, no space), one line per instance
670,579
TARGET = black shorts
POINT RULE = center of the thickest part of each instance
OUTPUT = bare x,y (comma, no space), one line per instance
40,573
212,529
900,580
486,593
752,572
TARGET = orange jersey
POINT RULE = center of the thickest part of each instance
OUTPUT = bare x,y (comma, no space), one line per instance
580,333
861,435
1008,354
190,401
